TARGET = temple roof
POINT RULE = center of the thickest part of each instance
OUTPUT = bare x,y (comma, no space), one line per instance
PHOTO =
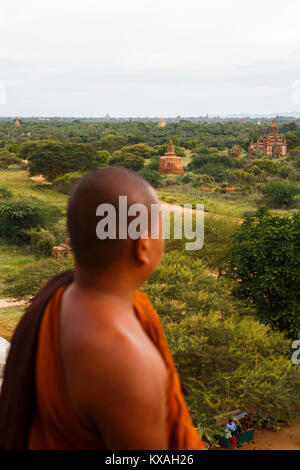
170,148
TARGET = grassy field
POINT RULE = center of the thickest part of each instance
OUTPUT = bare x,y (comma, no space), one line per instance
224,204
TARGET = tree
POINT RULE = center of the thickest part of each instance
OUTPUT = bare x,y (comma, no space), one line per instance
154,163
112,142
292,140
265,266
54,158
127,160
102,157
7,159
141,150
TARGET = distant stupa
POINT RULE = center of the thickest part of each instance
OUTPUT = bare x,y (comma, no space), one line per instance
161,122
236,152
170,163
17,123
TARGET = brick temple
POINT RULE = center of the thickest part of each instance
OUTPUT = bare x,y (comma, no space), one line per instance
17,123
161,122
170,163
273,145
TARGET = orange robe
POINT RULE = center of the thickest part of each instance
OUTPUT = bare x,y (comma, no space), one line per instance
55,426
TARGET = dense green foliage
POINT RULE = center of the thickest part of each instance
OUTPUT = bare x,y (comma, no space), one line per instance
27,282
7,158
19,215
65,183
152,176
265,265
102,157
5,193
127,160
52,159
280,193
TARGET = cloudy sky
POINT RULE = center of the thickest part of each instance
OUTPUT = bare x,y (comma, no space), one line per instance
149,57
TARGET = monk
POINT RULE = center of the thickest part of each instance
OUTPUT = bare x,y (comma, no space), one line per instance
104,375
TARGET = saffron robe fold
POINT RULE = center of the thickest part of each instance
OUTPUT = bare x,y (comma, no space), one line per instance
48,421
17,399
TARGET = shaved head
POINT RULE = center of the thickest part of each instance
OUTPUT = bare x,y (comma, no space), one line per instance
103,186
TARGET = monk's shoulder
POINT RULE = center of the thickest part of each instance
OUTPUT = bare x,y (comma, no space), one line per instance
104,344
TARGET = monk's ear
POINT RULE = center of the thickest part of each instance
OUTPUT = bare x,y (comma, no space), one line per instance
143,250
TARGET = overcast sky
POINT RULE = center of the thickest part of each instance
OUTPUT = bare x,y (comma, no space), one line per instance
148,58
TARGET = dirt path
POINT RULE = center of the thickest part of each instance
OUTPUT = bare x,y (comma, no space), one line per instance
11,303
179,208
39,179
286,439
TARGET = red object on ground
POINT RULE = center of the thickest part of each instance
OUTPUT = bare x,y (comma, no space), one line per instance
233,441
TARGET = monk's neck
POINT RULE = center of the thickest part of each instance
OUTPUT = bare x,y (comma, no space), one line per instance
114,286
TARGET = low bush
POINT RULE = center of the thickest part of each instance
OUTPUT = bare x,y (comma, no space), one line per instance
65,183
5,193
18,216
152,176
42,241
280,193
25,283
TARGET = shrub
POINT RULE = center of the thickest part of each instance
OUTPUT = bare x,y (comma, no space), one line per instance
153,177
42,241
266,165
65,183
255,170
25,283
289,172
280,193
187,178
154,163
241,177
5,193
17,216
169,181
201,180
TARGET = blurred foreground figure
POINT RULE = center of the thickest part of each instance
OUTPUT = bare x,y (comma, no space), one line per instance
89,367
